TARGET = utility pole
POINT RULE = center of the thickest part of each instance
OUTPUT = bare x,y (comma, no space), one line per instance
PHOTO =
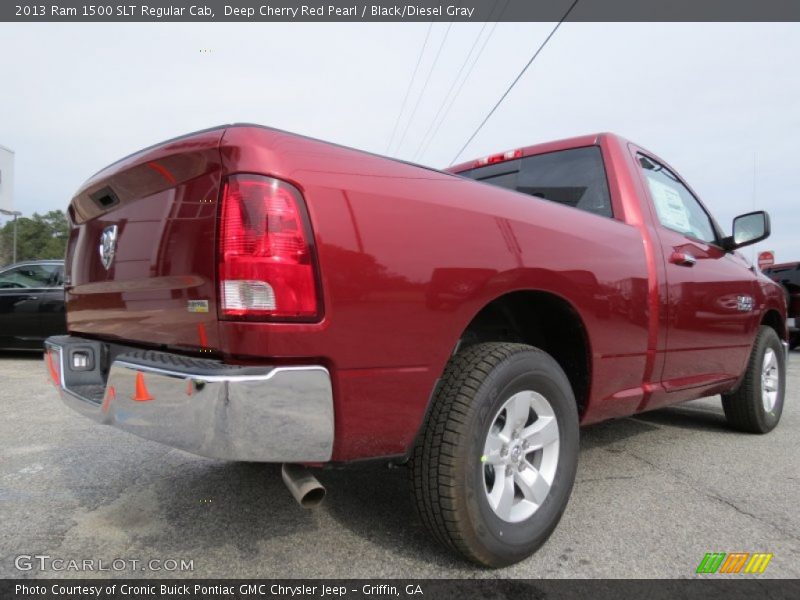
15,214
7,190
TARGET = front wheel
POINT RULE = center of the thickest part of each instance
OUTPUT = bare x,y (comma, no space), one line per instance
494,466
757,404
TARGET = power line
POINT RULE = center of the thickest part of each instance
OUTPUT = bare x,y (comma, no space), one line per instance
424,86
410,84
460,87
466,78
425,141
450,91
513,83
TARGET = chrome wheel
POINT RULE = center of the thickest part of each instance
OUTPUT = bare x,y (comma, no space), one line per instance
520,456
770,380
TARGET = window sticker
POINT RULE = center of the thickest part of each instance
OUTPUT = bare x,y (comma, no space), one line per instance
670,208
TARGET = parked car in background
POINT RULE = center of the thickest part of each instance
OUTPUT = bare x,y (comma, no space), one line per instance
788,275
31,304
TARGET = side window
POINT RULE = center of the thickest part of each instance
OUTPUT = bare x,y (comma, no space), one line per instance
676,207
575,177
56,277
31,276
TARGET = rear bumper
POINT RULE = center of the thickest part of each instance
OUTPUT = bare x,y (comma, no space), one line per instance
261,414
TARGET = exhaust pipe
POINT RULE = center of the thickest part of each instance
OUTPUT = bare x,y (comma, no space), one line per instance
305,488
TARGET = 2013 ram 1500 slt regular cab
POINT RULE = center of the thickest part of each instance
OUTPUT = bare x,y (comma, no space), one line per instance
248,294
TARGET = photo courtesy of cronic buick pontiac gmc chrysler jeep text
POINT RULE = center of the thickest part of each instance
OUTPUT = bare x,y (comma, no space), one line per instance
248,294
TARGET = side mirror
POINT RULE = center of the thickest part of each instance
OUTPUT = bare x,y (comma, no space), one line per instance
748,229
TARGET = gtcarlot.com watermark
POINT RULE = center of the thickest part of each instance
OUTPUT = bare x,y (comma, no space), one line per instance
45,562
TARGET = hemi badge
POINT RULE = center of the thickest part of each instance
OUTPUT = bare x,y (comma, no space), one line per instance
197,306
745,303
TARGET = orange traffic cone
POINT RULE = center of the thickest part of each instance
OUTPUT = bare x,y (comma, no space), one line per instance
111,394
54,376
201,333
141,395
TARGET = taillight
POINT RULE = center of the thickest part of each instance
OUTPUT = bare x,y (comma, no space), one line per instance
498,158
266,261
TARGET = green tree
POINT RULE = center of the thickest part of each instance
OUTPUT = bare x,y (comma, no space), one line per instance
38,237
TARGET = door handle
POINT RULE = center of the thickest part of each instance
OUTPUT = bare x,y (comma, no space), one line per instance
683,259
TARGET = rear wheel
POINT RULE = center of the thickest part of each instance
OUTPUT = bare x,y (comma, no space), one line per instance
757,404
494,466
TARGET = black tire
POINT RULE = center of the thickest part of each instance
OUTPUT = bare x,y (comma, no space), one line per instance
447,469
744,408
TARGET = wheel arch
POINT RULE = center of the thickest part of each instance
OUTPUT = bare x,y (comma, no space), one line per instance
772,318
542,319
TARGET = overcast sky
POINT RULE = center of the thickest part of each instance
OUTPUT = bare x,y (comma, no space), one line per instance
720,102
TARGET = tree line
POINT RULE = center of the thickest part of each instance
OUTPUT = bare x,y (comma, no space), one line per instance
38,237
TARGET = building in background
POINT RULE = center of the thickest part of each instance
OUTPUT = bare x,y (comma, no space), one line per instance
6,180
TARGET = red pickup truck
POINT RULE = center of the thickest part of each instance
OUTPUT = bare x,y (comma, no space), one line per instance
248,294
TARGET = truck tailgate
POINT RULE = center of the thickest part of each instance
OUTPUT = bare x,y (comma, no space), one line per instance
141,255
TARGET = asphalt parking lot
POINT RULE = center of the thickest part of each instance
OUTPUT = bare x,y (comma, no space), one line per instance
653,494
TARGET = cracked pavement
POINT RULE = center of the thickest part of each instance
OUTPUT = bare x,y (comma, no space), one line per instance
653,494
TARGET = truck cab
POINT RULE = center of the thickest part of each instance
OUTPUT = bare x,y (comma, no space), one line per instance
705,302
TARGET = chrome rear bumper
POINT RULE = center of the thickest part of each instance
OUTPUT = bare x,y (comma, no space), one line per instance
261,414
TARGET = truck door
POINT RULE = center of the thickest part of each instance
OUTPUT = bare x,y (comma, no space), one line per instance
711,294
